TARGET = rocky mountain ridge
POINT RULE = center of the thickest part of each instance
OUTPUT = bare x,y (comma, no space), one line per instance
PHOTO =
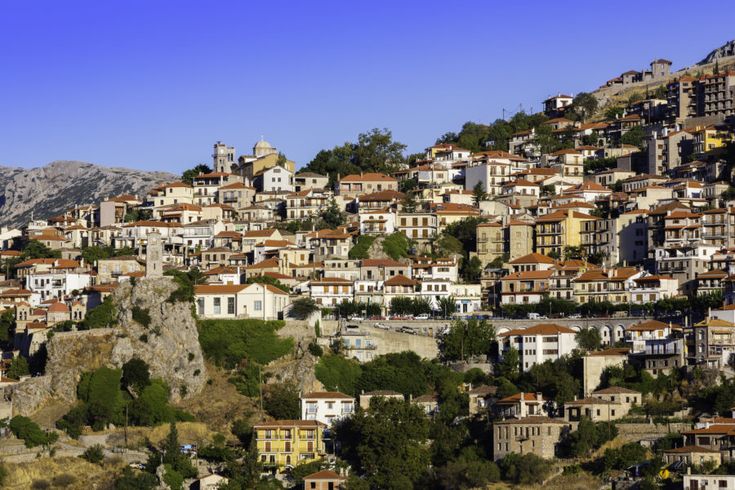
724,51
46,191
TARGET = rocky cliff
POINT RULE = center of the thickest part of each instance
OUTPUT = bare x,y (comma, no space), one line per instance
724,51
163,334
49,190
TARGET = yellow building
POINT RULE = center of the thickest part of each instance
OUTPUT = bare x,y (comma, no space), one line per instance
711,138
283,443
558,230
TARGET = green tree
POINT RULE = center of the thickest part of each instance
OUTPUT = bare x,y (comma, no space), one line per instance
34,249
18,368
478,193
29,431
510,365
103,315
409,204
263,279
466,339
136,374
526,469
396,245
361,248
447,245
588,339
100,390
172,454
634,137
282,402
588,437
338,374
333,215
302,308
447,306
7,326
471,270
152,407
585,104
387,444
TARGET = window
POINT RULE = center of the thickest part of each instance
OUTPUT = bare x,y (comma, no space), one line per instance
200,306
217,306
230,306
258,305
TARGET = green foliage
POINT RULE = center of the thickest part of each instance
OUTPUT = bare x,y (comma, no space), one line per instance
634,378
263,279
141,316
614,112
172,478
478,193
375,151
396,245
526,469
299,471
466,339
509,367
100,391
73,422
135,480
447,306
34,249
447,245
315,349
172,455
282,402
227,342
188,175
588,437
101,316
247,379
558,379
29,431
95,252
7,325
348,308
584,104
136,374
360,249
624,456
634,137
479,137
386,446
152,407
94,454
302,308
588,338
185,281
471,269
594,165
402,305
468,473
403,372
332,215
338,374
18,367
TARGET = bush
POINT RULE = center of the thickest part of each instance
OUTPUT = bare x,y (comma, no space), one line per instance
94,454
396,245
141,316
173,478
527,469
101,316
227,342
133,480
73,422
588,437
31,434
316,349
151,407
100,390
64,480
624,456
247,379
18,368
360,250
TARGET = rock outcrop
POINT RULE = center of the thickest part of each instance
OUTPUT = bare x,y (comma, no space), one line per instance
163,334
724,51
49,190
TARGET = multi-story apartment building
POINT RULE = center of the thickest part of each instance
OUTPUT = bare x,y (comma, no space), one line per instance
559,230
539,343
286,443
352,186
715,94
681,97
711,342
419,226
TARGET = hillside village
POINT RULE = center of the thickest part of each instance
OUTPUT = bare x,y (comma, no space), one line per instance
544,300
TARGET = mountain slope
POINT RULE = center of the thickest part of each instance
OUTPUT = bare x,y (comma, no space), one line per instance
49,190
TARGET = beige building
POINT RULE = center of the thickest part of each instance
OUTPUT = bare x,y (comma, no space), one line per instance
354,185
109,270
537,435
324,480
595,363
232,301
365,397
490,242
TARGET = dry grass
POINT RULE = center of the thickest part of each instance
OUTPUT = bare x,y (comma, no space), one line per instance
84,474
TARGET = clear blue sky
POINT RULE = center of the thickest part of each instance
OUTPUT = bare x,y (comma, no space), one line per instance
153,84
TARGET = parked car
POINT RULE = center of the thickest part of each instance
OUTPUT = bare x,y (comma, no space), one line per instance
536,316
352,327
423,316
408,330
382,326
356,318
